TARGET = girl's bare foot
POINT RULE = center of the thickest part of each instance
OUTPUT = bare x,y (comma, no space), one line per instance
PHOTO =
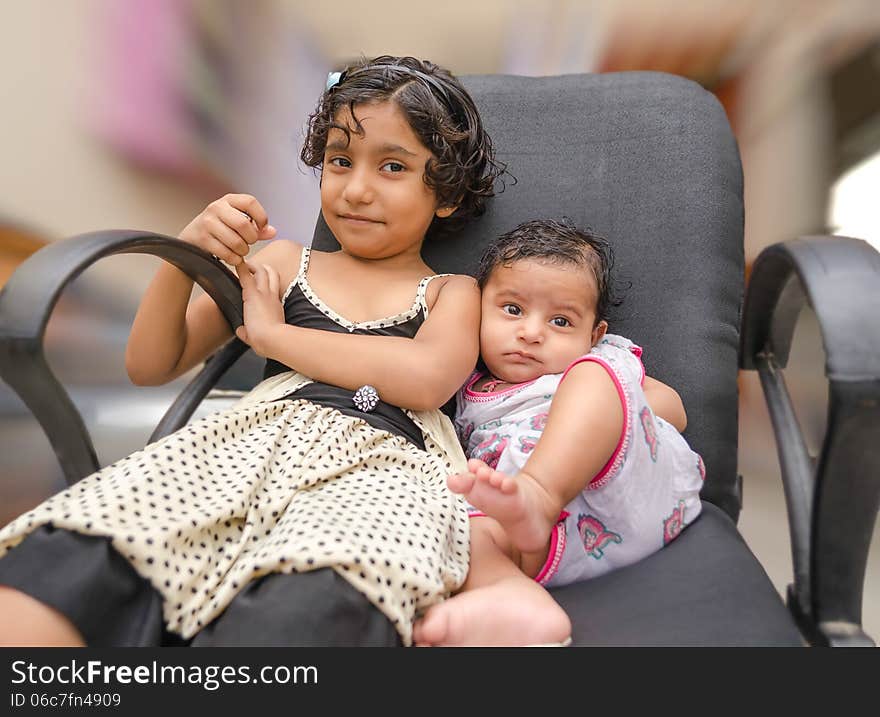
513,612
519,503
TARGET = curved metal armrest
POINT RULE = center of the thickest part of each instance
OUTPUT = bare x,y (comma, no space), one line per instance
27,301
832,505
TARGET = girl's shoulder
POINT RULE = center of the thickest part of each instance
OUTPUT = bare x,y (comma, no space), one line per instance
459,285
283,255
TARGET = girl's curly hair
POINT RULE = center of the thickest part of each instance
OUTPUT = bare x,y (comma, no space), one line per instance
463,168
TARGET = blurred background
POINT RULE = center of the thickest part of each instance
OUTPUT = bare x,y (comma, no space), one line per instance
136,114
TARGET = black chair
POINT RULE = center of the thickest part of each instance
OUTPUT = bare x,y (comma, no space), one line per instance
648,160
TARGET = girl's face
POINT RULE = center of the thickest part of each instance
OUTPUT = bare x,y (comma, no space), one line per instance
373,195
537,318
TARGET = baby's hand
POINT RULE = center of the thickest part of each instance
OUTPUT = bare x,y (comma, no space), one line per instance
228,226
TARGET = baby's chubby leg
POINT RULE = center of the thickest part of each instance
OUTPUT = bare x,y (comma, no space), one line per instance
27,622
523,507
498,605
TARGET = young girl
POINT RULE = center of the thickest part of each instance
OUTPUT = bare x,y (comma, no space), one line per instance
572,473
338,458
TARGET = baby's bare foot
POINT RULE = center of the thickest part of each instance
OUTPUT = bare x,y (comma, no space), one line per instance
519,503
512,612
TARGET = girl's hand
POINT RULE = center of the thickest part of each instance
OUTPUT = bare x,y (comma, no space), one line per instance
263,310
228,226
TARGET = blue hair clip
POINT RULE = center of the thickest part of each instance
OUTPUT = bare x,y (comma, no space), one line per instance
333,79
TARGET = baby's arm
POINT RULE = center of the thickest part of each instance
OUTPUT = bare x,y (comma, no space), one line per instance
582,432
418,373
665,402
170,335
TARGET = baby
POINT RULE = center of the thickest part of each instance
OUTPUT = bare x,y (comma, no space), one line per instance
577,466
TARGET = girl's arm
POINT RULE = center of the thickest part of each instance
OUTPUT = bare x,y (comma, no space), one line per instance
169,335
665,402
419,373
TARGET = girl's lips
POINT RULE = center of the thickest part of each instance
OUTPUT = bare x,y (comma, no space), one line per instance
356,218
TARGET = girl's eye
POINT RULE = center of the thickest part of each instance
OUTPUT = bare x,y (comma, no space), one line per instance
560,321
393,166
511,309
340,162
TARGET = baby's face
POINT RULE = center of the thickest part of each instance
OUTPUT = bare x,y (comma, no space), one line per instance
537,318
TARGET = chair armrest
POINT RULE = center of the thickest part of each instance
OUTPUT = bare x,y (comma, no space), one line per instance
27,301
832,504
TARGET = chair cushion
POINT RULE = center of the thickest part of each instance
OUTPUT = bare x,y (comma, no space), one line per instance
647,159
704,589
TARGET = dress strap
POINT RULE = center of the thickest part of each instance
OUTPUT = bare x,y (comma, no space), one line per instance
423,289
303,267
304,262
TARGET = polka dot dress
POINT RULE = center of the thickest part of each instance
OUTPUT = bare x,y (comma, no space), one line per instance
283,486
277,486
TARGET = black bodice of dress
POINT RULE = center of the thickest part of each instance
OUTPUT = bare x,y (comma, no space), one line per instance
301,310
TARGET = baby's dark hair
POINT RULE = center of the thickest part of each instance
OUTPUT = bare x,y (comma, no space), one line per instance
549,240
440,112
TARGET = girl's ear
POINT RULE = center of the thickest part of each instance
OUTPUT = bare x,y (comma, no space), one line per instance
599,332
444,212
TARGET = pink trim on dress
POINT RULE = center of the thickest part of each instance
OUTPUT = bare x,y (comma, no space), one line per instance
482,396
637,351
595,480
554,555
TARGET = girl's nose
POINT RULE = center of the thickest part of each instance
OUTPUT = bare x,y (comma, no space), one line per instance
358,189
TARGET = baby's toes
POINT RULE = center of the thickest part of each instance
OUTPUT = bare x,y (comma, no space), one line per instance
508,485
483,472
432,628
460,482
497,479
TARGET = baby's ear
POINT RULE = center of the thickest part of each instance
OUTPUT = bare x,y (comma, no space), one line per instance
444,212
599,332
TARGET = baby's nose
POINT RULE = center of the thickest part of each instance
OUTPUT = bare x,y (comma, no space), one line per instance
532,332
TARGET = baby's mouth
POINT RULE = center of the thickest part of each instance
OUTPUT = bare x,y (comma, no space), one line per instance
521,355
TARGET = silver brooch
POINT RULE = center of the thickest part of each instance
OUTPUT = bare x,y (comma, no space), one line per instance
366,398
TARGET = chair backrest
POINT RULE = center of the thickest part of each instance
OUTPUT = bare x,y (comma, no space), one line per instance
648,160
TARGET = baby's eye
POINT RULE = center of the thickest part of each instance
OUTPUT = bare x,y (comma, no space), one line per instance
393,166
560,321
511,309
340,162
